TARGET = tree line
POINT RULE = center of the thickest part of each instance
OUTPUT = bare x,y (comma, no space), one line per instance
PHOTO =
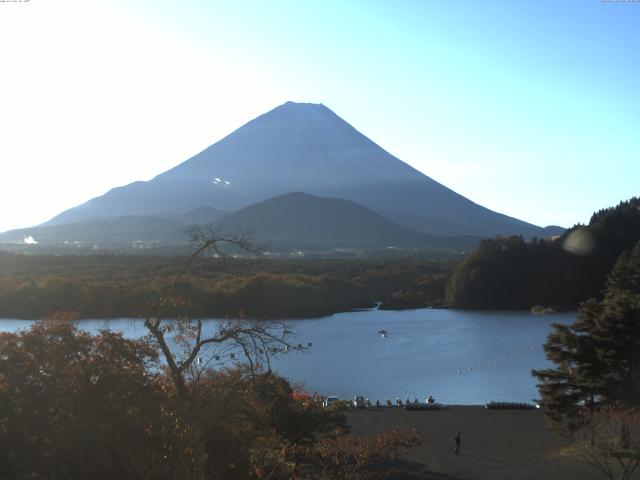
511,273
107,286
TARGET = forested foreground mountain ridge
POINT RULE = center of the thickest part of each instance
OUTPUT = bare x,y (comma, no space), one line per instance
509,272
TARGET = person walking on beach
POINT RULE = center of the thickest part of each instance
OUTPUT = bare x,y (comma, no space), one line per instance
457,439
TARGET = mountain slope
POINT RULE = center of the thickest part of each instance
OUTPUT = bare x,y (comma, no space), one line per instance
308,148
302,220
101,231
118,231
291,221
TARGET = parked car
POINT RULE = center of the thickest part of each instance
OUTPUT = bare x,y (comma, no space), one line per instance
329,400
359,402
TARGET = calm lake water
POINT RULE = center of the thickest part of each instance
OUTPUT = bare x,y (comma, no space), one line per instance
459,357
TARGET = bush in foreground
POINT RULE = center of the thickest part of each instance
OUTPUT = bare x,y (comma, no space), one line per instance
75,406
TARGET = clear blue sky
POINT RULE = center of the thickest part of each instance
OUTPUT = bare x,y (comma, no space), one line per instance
528,108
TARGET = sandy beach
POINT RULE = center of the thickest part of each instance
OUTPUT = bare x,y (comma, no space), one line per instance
496,444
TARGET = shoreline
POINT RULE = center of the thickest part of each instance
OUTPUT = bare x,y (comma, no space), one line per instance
314,317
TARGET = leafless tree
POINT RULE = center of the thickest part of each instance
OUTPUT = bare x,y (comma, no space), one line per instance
609,441
190,346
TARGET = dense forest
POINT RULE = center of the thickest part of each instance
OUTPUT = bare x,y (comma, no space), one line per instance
107,286
509,272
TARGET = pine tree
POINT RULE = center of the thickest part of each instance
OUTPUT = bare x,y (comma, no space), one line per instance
617,332
597,357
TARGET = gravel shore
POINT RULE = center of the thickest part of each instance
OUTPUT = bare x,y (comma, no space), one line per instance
496,444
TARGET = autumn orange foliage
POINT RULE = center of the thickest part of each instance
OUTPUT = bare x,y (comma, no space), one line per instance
76,406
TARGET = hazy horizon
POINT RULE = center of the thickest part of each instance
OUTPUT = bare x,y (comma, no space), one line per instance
529,110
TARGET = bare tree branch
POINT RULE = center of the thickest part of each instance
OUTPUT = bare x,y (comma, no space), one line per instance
258,342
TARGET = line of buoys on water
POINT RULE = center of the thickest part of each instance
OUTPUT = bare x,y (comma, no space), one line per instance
496,361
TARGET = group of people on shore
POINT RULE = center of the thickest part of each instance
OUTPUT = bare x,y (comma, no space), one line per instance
398,403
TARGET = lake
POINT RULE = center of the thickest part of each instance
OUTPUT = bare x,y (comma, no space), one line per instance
458,356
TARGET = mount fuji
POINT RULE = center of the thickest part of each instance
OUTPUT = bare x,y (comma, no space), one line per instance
296,147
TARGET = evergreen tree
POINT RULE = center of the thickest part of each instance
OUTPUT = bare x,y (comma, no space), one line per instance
617,332
597,357
507,272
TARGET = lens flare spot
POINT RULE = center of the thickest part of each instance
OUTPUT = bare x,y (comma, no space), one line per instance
579,242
